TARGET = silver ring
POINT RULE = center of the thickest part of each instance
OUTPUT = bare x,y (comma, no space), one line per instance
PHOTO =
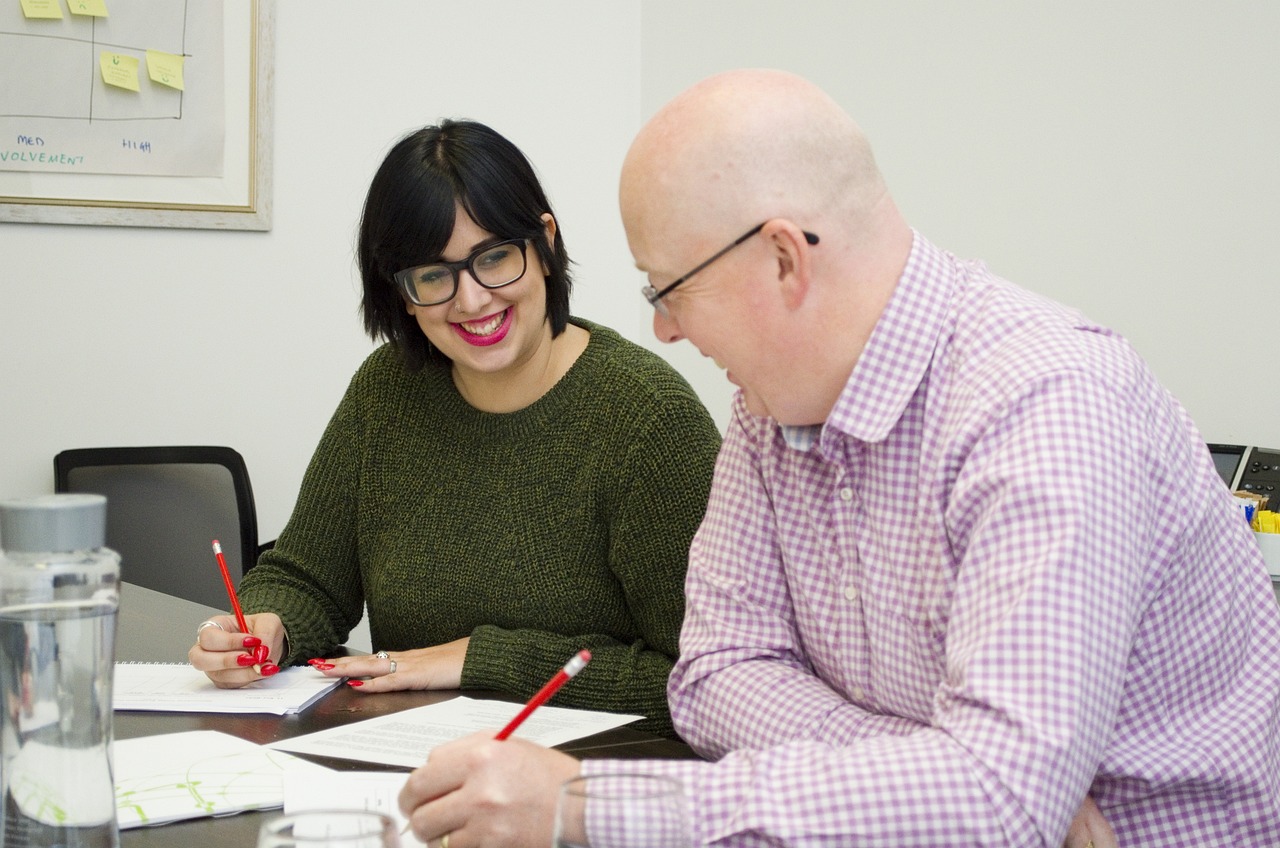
393,667
205,624
382,655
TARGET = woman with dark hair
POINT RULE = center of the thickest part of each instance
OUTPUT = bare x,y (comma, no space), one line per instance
503,484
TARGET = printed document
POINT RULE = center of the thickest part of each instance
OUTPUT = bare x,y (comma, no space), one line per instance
405,738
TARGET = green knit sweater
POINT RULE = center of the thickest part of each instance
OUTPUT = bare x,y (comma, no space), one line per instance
561,526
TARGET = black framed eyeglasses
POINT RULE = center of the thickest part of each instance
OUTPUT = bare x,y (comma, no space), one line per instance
655,296
492,266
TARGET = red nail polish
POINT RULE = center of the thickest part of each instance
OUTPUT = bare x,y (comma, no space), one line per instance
315,662
355,682
269,669
326,666
261,653
252,641
245,660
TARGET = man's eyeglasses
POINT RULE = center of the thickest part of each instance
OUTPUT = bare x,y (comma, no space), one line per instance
492,266
655,296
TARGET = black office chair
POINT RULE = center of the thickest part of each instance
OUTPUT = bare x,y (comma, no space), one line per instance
165,506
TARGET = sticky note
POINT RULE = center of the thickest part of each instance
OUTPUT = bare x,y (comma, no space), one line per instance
1267,521
119,70
93,8
41,9
165,68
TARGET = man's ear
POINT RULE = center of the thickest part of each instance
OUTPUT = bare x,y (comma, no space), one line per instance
791,253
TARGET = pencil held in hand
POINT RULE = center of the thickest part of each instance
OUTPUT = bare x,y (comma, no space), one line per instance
261,666
231,589
562,676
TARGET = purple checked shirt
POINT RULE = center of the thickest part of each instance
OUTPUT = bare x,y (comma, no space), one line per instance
1002,574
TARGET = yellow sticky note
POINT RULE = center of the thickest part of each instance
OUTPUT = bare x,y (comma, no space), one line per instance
119,70
165,68
93,8
41,9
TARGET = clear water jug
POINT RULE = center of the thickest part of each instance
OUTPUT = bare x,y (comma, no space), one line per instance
59,593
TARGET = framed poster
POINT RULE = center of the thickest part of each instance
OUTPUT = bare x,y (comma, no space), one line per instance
156,114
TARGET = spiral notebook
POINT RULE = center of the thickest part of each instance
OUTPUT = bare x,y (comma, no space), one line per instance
177,687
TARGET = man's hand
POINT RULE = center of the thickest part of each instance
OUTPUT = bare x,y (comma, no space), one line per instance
477,791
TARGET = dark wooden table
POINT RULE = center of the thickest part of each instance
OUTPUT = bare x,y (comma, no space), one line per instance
158,627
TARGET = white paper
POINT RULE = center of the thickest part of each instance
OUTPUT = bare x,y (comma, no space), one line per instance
407,737
177,687
197,773
58,111
327,789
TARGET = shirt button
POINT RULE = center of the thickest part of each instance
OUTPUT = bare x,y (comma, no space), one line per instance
851,593
858,693
846,494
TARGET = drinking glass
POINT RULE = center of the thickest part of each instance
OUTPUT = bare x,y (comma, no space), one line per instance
330,829
643,810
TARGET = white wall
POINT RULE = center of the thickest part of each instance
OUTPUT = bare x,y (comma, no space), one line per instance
1118,157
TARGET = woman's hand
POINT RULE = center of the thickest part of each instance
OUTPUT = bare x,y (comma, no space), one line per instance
233,659
437,667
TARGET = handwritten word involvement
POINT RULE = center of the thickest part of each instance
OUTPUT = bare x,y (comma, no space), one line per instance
14,156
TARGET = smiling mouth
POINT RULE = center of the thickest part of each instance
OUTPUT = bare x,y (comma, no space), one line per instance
485,327
485,331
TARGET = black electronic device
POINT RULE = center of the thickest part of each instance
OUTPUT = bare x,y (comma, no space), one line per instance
1250,469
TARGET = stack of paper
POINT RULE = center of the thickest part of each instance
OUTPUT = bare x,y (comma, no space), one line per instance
177,687
206,773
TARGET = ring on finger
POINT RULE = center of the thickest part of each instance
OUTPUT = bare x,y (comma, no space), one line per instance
393,667
205,624
382,655
444,841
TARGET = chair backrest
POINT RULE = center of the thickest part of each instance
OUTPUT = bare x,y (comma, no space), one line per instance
165,506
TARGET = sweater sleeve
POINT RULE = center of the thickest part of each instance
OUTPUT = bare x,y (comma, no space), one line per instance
311,578
659,493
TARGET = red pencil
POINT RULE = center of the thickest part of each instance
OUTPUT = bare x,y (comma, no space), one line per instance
259,652
231,589
571,668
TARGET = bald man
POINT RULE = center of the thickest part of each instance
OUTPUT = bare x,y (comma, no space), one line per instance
965,564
